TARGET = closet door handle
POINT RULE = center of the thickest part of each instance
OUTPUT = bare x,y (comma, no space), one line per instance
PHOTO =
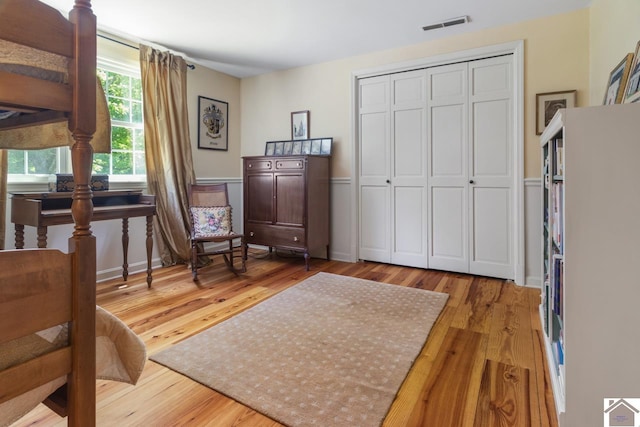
388,181
472,182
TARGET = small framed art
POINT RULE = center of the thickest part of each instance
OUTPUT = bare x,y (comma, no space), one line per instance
618,81
213,124
632,90
548,103
300,124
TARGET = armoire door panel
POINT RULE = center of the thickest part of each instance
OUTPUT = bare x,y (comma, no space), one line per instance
492,139
410,231
375,223
259,206
448,229
289,193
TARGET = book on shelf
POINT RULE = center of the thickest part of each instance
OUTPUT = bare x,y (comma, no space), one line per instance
559,157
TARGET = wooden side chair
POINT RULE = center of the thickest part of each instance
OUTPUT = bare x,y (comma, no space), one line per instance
210,215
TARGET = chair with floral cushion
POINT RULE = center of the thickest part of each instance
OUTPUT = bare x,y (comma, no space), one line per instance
211,226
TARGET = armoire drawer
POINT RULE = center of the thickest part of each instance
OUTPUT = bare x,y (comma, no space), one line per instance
275,235
260,165
290,164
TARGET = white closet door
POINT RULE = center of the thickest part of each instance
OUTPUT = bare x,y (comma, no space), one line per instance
375,163
490,168
448,185
409,169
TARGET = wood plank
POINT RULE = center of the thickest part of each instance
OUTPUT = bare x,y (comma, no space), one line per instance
504,397
449,395
443,388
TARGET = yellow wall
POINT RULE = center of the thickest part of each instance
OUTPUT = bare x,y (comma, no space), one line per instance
556,58
203,81
614,32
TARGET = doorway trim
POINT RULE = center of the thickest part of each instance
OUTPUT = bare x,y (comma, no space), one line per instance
515,48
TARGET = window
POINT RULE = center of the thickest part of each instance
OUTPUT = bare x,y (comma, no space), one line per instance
123,89
124,96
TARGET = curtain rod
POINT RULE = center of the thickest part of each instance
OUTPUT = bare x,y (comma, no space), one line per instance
191,66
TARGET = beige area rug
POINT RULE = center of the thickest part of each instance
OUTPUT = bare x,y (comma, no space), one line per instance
329,351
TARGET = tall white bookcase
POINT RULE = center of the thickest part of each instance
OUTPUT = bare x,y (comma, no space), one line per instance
590,307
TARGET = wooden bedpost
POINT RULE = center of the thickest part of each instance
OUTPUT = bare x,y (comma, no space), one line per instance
82,124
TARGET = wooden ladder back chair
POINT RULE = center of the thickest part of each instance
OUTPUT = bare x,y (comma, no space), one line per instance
211,222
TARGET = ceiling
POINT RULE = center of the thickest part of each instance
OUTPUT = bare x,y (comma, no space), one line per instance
250,37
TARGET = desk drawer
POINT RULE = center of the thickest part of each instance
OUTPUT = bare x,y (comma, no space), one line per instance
275,235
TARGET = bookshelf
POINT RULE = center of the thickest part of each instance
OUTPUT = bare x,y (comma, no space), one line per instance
590,297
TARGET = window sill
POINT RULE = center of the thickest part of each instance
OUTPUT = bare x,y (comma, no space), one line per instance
22,184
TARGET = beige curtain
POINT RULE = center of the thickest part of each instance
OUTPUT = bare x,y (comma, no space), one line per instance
168,150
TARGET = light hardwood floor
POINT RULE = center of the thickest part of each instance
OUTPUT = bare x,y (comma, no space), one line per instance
483,363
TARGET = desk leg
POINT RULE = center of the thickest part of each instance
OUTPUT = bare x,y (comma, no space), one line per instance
42,237
149,248
125,248
19,236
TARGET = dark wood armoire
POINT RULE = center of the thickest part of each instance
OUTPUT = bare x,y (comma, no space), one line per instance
286,203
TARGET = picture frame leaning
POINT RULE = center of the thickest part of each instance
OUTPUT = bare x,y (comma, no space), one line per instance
213,124
548,103
618,81
632,88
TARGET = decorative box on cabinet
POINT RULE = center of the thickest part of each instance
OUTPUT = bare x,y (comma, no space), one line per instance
286,203
591,248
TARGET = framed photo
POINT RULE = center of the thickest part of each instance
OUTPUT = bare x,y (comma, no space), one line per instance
213,124
548,103
632,89
270,148
618,81
300,124
325,148
306,147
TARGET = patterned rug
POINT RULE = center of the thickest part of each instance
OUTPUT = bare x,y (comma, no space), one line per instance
329,351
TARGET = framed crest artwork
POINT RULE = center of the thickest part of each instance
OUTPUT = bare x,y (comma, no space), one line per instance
213,124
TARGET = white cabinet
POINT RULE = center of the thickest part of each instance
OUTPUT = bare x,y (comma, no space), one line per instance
591,229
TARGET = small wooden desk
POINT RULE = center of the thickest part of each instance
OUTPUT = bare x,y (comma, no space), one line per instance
44,209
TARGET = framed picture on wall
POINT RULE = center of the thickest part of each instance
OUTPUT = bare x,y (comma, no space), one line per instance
300,124
618,81
632,90
213,124
548,103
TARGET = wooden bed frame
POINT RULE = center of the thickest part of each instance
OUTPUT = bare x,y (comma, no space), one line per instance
40,288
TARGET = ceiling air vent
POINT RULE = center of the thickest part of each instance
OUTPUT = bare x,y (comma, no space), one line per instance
447,23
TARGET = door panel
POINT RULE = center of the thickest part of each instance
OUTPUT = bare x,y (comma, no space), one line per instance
408,181
410,229
491,139
491,169
375,222
449,241
448,152
448,163
491,239
375,166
